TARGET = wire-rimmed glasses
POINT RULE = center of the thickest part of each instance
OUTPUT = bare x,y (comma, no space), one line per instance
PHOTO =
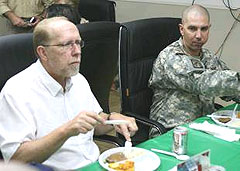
69,45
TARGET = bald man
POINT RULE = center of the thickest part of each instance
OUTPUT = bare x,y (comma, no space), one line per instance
48,112
187,77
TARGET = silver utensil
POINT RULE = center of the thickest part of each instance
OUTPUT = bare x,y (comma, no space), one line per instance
179,157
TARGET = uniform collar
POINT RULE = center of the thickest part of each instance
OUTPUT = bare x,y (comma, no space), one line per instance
181,50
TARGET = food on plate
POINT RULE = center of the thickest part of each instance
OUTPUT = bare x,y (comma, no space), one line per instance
134,153
120,156
224,120
238,115
116,157
126,166
120,161
235,123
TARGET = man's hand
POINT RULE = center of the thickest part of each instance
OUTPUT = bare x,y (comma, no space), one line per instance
34,23
236,99
83,123
15,20
18,22
127,130
36,151
229,98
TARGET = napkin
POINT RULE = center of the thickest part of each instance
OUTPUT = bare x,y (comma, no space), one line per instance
223,133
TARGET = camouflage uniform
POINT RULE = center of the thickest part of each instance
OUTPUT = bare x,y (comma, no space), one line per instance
185,86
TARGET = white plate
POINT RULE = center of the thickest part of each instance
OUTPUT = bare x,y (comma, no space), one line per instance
146,161
234,123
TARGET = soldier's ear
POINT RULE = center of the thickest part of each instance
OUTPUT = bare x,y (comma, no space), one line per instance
181,29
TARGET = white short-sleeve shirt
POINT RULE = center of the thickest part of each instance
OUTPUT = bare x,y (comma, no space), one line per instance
32,104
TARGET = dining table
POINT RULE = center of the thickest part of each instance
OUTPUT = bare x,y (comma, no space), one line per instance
222,153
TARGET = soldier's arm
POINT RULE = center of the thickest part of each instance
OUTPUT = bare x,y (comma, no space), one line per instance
175,72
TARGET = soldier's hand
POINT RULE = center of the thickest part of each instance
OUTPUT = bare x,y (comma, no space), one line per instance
236,99
229,98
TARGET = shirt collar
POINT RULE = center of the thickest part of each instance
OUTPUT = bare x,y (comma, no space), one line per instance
50,83
183,52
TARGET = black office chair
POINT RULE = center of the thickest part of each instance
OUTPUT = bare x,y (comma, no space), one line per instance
99,62
97,10
140,43
100,57
16,53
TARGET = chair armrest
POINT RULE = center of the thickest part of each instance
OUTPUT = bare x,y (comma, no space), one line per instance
110,139
146,121
218,106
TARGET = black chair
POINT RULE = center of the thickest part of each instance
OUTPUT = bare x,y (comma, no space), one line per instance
100,57
99,62
97,10
140,43
16,53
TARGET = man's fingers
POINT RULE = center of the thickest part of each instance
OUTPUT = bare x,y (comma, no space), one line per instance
90,117
123,129
133,128
95,117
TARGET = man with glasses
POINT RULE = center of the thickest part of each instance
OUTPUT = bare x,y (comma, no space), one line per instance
186,77
48,113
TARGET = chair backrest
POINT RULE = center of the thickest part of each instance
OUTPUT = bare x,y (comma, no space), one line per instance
100,57
140,43
16,53
97,10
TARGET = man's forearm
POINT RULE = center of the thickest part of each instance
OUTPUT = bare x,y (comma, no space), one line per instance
10,15
15,20
41,149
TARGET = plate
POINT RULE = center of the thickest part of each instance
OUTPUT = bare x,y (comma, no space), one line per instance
141,161
233,123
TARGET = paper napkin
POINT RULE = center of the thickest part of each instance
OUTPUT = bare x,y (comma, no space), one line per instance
224,133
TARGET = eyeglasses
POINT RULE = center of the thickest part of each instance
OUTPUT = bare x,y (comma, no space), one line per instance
69,45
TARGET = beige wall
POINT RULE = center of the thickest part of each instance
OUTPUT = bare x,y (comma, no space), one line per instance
221,20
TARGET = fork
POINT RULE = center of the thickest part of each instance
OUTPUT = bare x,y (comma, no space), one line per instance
127,145
234,111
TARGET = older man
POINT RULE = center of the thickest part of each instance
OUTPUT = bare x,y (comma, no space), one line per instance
186,77
48,113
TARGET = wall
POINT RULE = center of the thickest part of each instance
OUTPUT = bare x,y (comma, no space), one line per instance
221,21
206,3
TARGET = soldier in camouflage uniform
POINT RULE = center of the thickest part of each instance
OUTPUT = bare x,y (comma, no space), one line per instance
186,77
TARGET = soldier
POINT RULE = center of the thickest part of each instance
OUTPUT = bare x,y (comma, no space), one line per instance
186,77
